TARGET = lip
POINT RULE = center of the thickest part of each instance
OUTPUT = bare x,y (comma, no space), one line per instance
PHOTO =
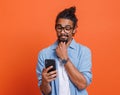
63,37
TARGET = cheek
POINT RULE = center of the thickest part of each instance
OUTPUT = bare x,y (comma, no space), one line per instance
58,34
70,35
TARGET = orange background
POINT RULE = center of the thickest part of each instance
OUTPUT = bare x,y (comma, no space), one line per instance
27,26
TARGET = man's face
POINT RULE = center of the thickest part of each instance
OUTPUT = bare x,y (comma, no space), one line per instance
64,29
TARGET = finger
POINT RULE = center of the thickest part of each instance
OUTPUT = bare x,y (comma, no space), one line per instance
44,69
52,76
50,67
52,79
49,80
62,44
52,72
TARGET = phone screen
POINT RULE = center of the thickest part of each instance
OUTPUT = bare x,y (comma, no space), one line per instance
50,62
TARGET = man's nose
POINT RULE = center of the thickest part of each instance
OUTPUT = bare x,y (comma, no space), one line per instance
63,30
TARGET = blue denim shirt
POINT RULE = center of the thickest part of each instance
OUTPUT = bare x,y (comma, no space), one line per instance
79,55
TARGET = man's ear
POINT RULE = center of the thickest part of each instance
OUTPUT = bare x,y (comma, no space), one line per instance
74,31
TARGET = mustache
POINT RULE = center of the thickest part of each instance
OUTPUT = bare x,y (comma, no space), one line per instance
63,35
62,40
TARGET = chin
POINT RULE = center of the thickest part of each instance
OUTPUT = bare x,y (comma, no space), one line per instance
63,40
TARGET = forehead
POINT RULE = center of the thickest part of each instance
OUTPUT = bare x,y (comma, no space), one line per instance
64,22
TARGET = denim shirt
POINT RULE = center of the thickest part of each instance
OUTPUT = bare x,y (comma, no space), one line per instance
80,57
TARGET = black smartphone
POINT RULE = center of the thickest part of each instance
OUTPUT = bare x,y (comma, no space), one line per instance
50,62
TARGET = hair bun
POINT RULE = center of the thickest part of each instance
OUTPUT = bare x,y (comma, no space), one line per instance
68,13
72,10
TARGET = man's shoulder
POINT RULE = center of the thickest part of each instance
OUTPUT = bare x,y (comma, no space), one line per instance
47,49
83,47
78,45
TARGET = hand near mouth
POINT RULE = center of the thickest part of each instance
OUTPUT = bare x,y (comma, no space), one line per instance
61,50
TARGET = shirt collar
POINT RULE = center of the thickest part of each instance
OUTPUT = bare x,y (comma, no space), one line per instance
72,44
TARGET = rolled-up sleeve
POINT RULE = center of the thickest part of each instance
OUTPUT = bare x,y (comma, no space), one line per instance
39,68
86,64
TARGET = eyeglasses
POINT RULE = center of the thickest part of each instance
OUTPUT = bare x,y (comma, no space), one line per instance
66,29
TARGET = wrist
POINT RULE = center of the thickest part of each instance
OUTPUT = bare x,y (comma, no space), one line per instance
45,84
65,60
64,57
45,88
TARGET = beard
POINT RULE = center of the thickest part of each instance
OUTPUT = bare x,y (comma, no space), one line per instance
60,39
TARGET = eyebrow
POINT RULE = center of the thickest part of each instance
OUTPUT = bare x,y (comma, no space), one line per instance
63,26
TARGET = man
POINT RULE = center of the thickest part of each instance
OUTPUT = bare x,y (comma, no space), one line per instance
73,60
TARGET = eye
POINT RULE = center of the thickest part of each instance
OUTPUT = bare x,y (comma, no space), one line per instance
68,28
58,26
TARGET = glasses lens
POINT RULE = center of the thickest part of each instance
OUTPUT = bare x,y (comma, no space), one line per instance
59,28
67,28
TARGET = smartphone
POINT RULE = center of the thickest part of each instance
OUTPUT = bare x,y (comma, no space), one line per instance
50,62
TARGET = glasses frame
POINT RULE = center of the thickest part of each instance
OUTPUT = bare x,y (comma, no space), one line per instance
64,28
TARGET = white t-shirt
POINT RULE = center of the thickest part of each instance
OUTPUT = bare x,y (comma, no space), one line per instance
64,88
